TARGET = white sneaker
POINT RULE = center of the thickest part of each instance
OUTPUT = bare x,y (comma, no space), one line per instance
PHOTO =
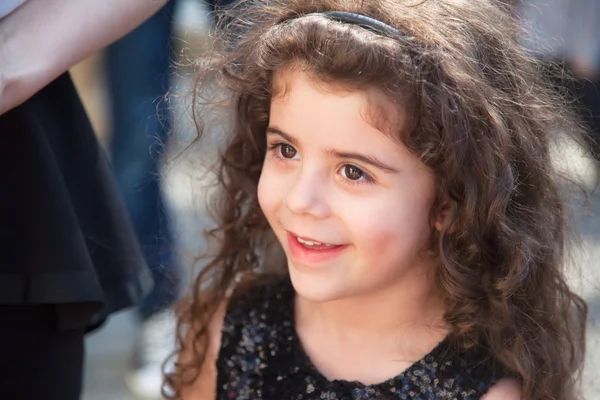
155,343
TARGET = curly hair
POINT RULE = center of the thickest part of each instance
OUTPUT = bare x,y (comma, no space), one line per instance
482,117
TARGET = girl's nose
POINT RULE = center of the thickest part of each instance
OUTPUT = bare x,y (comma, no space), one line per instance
307,194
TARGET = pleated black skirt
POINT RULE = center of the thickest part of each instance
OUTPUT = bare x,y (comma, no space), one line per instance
65,237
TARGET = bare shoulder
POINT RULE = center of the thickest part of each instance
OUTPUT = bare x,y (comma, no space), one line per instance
505,389
205,385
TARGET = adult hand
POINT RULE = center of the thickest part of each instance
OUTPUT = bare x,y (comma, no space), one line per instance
44,38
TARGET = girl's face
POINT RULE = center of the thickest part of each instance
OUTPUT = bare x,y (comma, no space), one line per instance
350,205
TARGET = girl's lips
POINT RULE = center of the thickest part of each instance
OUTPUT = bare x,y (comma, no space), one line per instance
313,254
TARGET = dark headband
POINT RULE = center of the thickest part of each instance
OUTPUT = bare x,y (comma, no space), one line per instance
363,21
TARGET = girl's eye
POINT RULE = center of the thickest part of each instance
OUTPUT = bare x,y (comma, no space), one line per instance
353,173
287,151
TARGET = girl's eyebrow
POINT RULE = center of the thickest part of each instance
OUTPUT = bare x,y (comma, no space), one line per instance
277,131
339,154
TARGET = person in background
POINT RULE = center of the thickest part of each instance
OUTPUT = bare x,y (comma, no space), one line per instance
68,254
137,69
568,33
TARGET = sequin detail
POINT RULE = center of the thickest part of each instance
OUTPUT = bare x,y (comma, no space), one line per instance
261,358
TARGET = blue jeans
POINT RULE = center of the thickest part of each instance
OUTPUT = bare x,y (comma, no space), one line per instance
137,69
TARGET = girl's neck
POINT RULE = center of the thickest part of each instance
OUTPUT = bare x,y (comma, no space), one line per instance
389,330
411,305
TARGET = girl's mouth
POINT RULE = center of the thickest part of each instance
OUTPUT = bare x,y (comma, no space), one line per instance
310,251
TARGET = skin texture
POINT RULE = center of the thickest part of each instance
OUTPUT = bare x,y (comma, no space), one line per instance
309,186
378,214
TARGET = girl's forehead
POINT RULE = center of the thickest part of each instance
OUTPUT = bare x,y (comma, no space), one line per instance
296,90
335,121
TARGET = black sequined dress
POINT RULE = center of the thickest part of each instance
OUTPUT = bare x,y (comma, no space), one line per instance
261,358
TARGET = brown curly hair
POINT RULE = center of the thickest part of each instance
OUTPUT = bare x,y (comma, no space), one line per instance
482,118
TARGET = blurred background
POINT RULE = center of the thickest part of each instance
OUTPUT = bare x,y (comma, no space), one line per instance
138,94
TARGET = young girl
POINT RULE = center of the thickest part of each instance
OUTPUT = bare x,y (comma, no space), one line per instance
391,225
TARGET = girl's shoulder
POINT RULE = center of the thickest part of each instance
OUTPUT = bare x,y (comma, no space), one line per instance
262,303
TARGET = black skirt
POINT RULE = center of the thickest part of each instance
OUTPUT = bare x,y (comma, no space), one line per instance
65,237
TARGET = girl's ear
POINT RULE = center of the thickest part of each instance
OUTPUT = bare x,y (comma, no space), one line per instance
442,217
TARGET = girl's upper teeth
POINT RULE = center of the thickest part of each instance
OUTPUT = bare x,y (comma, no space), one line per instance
311,242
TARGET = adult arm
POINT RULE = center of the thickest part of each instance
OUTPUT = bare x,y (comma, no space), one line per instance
44,38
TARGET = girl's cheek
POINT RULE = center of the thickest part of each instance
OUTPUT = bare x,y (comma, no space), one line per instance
269,191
